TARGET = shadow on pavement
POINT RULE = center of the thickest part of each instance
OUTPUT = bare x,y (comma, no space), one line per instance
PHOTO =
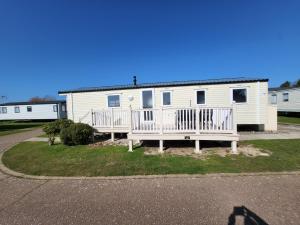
243,216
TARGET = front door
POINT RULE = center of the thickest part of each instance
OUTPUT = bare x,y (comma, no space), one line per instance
147,104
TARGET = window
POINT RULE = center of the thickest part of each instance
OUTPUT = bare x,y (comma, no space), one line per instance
285,97
166,98
239,95
3,110
63,108
200,95
147,99
113,100
274,99
54,108
17,109
29,108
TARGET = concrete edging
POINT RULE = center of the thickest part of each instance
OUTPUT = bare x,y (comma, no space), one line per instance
10,172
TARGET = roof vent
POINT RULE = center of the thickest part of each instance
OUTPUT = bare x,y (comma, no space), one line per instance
134,80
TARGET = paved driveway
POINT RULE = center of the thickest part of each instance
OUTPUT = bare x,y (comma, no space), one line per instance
207,200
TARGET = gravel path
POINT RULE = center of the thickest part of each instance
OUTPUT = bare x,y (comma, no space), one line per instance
208,200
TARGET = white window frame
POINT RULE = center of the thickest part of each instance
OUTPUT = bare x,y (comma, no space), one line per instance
288,96
272,97
205,96
238,88
16,108
113,95
162,98
1,110
153,97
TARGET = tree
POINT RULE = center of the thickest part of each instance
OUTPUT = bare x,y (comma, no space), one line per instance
37,99
286,84
298,83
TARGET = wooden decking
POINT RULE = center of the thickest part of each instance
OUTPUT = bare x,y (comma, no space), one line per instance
193,123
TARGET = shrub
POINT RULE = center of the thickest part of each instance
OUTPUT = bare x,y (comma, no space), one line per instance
54,128
77,134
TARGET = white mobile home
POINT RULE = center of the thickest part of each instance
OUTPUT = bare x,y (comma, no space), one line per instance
49,110
196,110
286,99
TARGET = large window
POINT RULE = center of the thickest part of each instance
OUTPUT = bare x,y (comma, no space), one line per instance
274,99
200,95
285,97
113,100
239,95
17,109
3,110
54,108
147,99
29,108
166,98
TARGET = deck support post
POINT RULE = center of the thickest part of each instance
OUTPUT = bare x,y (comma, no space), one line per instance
234,147
197,147
130,146
112,136
161,146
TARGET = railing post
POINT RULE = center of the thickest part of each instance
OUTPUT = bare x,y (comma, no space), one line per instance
130,120
234,118
197,120
161,120
112,118
92,117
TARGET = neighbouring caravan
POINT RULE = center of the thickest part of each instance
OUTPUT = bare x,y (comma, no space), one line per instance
286,99
49,110
197,110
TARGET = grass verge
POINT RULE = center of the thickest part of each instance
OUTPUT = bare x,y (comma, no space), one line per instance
40,159
12,127
286,119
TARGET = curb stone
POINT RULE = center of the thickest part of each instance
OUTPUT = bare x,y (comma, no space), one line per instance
10,172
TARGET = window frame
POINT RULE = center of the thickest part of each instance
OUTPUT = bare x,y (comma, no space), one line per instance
171,98
15,109
285,94
29,106
153,98
3,111
107,102
196,96
238,88
55,108
272,97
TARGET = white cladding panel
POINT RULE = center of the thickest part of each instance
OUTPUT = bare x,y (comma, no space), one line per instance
254,111
293,103
43,111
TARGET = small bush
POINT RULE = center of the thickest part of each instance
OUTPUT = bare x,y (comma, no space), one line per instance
54,128
77,134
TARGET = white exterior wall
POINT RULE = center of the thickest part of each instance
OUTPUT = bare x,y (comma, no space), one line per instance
43,111
217,95
293,105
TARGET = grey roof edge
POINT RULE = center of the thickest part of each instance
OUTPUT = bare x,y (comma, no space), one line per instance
282,88
167,84
33,103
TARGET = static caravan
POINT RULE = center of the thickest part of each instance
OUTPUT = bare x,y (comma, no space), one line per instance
50,110
286,99
196,110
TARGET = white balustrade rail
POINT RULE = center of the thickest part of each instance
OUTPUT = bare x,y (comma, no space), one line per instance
168,120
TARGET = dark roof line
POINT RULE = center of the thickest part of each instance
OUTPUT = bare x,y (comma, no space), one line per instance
32,103
282,88
166,84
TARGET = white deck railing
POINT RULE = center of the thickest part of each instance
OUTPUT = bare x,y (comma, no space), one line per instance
168,120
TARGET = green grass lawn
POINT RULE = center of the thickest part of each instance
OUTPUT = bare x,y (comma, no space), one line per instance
11,127
40,159
286,119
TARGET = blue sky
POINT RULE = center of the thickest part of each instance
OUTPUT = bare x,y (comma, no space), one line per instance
46,46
